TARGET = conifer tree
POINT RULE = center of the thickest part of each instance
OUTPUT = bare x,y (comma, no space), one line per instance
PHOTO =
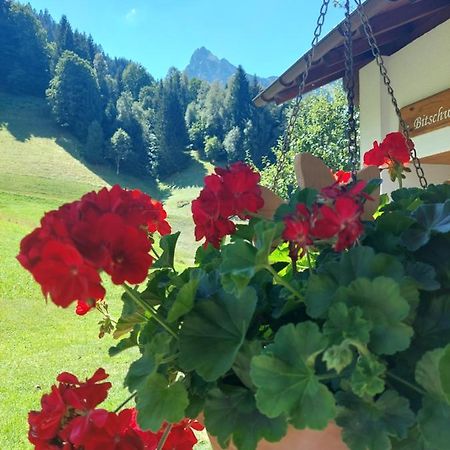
64,38
24,53
238,100
170,130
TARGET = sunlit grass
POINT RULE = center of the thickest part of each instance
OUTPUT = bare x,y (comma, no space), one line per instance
39,170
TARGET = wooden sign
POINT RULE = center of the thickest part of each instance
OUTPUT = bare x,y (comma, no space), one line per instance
428,114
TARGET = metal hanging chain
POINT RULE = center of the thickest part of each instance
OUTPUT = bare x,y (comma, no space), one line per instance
349,82
368,31
289,130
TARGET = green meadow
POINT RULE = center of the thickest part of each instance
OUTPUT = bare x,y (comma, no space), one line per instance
41,168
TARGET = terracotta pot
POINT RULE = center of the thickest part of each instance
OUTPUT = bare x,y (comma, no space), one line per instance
328,439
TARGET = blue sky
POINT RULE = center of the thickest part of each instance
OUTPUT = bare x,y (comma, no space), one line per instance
265,36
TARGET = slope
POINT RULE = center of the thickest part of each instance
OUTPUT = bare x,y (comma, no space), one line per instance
40,168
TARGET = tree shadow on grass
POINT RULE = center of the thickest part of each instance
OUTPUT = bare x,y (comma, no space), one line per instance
146,184
25,117
192,176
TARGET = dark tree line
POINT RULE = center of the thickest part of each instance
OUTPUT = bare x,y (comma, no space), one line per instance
119,112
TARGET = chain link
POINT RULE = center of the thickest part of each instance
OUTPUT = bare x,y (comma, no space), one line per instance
349,83
289,130
368,31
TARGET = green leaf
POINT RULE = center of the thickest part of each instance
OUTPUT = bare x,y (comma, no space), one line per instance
368,424
286,381
338,357
184,301
346,323
239,263
428,374
362,261
430,218
382,304
126,343
394,222
434,420
207,256
434,217
241,366
424,275
139,371
414,441
167,244
358,262
308,196
213,332
132,315
266,233
232,413
319,294
154,353
444,372
367,378
158,402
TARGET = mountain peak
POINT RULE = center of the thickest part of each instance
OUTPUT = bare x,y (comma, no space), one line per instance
207,66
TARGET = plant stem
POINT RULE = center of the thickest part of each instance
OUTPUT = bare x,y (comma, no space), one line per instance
105,314
163,439
406,383
125,402
283,282
327,376
155,252
400,182
155,315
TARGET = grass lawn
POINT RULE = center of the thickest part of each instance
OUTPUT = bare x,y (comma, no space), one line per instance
39,170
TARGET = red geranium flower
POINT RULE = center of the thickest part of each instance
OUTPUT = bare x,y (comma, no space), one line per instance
105,230
342,177
181,436
66,276
343,220
44,424
297,228
240,184
84,395
393,150
127,248
229,192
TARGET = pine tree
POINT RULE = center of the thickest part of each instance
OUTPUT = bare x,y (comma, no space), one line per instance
64,38
238,100
170,130
24,52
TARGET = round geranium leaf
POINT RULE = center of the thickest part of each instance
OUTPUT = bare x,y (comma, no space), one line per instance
158,402
285,378
214,331
434,419
369,424
384,306
232,414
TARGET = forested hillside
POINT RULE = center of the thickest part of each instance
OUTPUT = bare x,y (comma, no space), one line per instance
125,118
120,113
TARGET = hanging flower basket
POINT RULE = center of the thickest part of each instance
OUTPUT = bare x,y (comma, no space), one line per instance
301,324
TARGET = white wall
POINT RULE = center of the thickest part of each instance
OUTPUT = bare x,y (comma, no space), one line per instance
434,173
417,71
